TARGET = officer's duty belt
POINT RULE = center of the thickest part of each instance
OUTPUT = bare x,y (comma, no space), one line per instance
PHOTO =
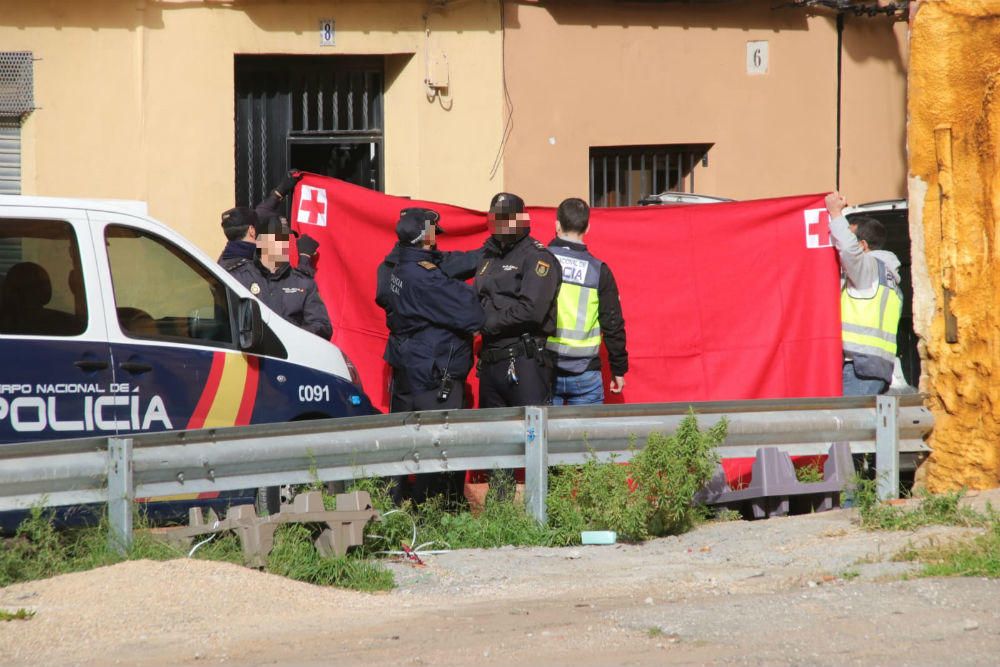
495,354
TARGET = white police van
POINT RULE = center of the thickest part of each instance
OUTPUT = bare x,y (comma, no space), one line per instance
111,323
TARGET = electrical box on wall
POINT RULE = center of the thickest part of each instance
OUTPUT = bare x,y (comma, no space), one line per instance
437,70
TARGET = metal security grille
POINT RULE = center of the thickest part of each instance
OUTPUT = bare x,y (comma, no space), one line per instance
10,156
623,175
17,85
316,113
344,101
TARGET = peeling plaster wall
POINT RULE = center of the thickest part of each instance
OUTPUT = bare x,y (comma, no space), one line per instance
954,144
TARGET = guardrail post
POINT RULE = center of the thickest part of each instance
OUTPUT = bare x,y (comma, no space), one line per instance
536,458
887,446
121,493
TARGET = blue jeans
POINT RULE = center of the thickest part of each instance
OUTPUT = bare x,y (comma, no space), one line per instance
861,386
582,389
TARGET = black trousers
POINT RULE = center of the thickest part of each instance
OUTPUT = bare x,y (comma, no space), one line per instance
402,398
535,377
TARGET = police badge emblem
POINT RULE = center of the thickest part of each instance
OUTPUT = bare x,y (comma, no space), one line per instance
255,289
542,268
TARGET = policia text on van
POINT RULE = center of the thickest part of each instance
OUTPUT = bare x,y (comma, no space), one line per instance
111,323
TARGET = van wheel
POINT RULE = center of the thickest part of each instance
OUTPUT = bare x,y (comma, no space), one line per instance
268,500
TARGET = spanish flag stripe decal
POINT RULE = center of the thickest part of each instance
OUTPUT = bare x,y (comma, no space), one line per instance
230,394
249,392
208,393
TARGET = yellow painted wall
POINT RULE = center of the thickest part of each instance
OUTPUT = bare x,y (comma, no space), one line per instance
136,96
587,73
954,146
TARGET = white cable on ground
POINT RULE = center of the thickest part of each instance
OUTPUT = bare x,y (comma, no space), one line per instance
418,550
210,538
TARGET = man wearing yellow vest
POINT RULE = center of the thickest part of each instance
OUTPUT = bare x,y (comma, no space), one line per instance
587,308
870,300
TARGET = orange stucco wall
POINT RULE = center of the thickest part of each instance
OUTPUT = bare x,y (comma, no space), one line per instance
583,74
136,97
954,146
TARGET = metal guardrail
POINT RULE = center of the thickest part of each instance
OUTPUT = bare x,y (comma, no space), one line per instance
117,470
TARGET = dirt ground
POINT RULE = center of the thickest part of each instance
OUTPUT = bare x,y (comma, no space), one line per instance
807,590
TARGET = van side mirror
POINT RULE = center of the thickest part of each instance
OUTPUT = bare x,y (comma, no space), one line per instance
251,325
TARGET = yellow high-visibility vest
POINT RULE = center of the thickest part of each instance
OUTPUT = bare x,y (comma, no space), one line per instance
868,326
577,339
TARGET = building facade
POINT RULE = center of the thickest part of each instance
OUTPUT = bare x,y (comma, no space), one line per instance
615,101
195,106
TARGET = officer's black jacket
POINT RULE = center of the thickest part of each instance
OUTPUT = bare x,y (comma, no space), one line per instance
609,315
433,319
289,292
458,264
517,286
236,252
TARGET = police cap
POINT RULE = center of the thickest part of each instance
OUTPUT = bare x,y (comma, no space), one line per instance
504,203
241,216
273,224
410,227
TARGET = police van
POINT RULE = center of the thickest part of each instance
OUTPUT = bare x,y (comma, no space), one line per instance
111,323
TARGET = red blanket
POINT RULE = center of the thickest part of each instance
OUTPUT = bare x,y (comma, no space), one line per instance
721,301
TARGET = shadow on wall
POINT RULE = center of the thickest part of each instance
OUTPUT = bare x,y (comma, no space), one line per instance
268,15
757,14
865,39
119,14
874,38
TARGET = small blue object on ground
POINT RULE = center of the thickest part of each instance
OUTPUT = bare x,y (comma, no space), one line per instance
598,537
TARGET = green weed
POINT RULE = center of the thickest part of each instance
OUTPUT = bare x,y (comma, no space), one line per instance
978,557
19,615
294,556
932,510
437,525
809,474
651,496
724,514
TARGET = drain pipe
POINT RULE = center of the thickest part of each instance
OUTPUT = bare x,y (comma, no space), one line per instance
840,86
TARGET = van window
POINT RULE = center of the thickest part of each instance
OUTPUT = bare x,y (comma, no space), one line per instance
161,292
41,286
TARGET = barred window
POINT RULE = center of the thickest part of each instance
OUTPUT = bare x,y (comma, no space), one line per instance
624,175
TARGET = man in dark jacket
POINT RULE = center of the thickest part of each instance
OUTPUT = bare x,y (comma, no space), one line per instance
588,310
238,226
432,319
517,282
290,292
457,264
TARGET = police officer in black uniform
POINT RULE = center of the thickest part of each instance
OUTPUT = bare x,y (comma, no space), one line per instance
432,319
458,264
517,282
241,239
290,292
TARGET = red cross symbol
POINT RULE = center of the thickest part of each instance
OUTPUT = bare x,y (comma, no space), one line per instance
817,228
312,206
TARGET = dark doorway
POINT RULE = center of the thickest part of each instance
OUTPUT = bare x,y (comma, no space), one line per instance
321,114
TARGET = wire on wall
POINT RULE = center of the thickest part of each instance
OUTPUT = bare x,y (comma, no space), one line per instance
508,102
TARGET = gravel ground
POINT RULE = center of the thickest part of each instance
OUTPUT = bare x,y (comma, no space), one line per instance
808,590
